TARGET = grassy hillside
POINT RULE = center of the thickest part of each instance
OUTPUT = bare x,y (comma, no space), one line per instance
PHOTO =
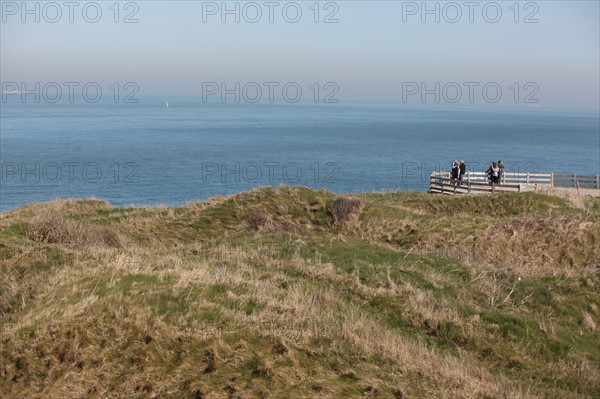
293,293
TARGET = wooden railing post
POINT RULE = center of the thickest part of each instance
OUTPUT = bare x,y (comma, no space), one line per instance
552,180
431,181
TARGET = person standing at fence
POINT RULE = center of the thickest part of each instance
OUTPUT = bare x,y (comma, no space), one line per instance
455,173
462,169
501,172
493,173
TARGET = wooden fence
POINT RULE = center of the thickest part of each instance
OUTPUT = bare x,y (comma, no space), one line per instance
477,182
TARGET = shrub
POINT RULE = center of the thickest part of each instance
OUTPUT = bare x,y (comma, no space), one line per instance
258,219
54,228
343,210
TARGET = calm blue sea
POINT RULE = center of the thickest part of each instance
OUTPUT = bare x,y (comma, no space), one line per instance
148,153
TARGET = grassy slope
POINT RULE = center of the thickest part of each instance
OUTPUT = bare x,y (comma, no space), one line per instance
258,295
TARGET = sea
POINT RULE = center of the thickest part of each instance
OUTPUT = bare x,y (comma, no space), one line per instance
180,150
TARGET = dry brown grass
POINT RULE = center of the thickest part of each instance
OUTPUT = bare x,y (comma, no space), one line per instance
77,207
177,309
53,228
529,246
579,199
536,247
298,314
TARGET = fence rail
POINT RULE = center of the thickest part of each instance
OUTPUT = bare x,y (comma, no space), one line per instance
477,182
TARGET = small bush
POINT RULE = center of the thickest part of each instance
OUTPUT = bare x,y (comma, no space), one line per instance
343,210
53,228
349,375
258,219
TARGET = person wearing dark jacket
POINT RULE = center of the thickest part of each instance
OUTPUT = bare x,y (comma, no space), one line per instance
462,168
455,173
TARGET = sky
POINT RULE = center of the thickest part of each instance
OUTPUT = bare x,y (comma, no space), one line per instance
542,54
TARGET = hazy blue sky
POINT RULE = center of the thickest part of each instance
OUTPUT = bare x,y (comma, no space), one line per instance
369,53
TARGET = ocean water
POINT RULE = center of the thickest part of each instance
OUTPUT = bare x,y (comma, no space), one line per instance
147,153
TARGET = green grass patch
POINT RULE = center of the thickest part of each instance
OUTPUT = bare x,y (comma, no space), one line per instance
14,231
